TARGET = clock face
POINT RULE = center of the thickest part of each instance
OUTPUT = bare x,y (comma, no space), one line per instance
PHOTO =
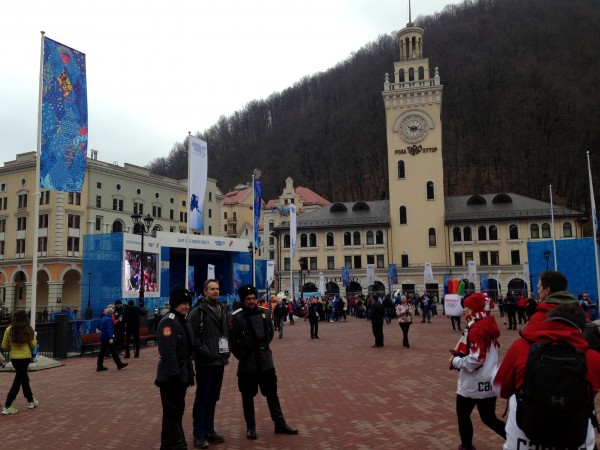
413,128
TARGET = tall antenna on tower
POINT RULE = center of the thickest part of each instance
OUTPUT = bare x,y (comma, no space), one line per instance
409,13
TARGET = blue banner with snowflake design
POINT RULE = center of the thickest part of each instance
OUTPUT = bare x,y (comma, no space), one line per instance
64,118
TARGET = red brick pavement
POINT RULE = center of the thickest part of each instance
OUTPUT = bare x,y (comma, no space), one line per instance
338,391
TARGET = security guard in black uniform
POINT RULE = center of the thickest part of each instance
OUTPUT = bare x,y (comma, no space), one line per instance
175,372
250,334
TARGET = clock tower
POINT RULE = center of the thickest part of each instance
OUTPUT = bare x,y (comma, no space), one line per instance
413,100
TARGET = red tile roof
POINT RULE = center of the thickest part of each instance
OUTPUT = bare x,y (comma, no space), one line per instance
236,197
310,197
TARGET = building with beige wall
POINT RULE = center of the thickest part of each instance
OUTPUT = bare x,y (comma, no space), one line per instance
110,195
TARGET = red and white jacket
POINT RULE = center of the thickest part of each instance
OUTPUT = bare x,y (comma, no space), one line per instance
478,366
511,373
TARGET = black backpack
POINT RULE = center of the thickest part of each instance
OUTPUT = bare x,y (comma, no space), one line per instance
556,400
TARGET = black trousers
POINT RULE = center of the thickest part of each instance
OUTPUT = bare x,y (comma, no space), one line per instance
173,407
104,346
21,380
314,327
404,326
512,319
487,412
132,336
248,384
377,326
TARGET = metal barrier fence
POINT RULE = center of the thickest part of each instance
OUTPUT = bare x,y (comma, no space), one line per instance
49,339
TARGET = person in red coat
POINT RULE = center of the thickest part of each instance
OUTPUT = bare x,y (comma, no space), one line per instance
511,373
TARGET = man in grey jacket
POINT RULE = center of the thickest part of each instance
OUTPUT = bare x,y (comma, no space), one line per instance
210,324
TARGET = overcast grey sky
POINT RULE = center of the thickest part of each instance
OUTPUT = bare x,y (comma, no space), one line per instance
156,70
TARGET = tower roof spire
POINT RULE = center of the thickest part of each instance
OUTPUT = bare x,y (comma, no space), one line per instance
410,23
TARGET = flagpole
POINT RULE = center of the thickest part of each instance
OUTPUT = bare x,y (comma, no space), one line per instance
36,196
595,224
553,236
187,229
253,232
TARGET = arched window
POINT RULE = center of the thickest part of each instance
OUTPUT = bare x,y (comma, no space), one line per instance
493,230
303,240
347,238
117,226
567,229
430,193
456,235
356,238
421,73
370,240
401,76
286,241
467,234
313,239
481,233
379,237
546,230
411,74
403,219
534,230
432,239
513,232
401,170
330,239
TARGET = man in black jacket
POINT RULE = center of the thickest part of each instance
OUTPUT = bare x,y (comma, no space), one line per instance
250,334
175,371
131,319
377,321
210,322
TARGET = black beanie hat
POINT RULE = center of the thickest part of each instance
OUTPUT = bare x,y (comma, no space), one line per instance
179,296
245,290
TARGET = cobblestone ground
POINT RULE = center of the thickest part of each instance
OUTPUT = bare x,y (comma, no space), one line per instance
338,391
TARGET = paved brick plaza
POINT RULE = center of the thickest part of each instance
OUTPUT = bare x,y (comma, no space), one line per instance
338,391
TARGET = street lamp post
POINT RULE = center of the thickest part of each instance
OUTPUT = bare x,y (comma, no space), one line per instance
141,225
547,257
251,253
88,311
530,283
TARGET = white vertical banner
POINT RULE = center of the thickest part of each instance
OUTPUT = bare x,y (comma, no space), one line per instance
321,283
292,231
270,272
472,272
526,270
370,274
197,176
210,275
427,273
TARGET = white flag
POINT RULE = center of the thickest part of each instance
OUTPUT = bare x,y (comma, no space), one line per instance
526,270
197,176
270,272
293,229
472,272
321,283
428,273
370,274
210,275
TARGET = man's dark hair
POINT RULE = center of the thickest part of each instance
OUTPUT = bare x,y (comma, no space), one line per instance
130,303
571,312
554,280
210,280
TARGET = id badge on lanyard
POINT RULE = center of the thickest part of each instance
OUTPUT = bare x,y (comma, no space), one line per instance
223,345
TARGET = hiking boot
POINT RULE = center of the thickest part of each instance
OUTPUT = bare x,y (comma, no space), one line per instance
215,437
283,428
200,442
251,433
122,366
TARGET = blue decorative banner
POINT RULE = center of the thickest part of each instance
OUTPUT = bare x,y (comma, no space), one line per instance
484,282
198,176
257,211
345,277
64,130
393,273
